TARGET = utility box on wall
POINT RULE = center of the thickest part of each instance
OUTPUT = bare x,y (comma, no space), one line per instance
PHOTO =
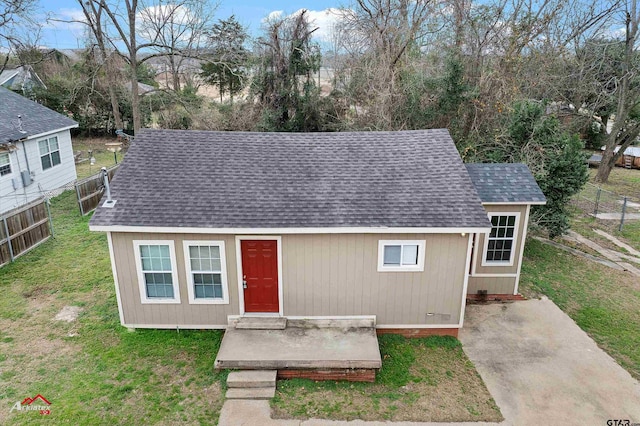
26,178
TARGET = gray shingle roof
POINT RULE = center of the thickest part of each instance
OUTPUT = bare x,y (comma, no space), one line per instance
505,183
36,119
204,179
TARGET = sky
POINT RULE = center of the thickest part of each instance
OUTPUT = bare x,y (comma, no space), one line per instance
63,35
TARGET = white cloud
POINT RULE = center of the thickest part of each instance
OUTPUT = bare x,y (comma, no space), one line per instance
324,20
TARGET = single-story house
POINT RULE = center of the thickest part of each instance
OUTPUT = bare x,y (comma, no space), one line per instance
21,79
36,155
204,227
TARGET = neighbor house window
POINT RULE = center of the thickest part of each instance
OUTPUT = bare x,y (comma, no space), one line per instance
401,255
5,164
500,244
49,152
157,271
206,272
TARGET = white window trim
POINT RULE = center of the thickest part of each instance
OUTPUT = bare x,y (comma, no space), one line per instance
10,164
402,268
49,152
174,272
516,228
223,272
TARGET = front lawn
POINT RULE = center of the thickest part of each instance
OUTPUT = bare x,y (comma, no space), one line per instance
602,301
428,379
92,370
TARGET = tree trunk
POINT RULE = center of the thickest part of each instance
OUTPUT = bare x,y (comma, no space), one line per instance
626,98
133,51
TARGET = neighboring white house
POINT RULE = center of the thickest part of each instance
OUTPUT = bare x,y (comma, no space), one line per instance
36,155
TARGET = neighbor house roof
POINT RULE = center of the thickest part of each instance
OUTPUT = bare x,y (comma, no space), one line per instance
200,179
505,183
36,119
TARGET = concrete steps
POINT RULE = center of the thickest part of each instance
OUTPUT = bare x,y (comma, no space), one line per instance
251,384
256,323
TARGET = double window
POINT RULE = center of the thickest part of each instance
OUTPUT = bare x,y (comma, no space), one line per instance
5,163
401,255
49,152
206,272
500,244
205,266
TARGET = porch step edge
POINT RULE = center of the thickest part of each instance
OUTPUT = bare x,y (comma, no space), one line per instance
251,393
252,379
255,323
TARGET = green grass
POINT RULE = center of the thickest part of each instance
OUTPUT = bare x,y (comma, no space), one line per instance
94,371
103,157
426,379
603,302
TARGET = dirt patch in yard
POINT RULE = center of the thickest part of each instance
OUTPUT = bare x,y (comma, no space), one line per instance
429,380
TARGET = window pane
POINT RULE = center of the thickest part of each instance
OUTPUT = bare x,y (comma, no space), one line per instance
494,220
166,264
215,265
512,220
216,278
146,264
410,255
156,264
154,251
503,220
215,252
208,291
4,159
55,158
151,291
53,143
204,252
193,251
195,264
510,232
392,255
44,147
501,232
217,291
46,162
199,291
507,244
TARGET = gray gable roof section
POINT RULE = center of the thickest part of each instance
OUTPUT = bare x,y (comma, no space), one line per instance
201,179
505,183
36,119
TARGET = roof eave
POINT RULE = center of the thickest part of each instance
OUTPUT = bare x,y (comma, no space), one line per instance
310,230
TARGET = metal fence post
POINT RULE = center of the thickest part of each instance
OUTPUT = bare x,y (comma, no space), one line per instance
6,231
595,210
46,203
624,209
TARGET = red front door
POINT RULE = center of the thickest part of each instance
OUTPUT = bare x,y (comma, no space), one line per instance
260,275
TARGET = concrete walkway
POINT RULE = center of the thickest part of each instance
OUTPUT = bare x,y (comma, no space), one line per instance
541,368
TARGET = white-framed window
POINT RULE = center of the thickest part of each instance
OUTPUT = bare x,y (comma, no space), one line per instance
5,163
157,271
206,268
401,255
49,152
500,244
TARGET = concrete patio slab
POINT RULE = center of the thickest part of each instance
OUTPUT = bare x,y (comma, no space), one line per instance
299,348
541,368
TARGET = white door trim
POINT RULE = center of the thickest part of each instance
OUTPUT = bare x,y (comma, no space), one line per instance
278,240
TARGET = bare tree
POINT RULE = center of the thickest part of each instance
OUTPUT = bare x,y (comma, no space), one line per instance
94,16
626,126
17,27
179,32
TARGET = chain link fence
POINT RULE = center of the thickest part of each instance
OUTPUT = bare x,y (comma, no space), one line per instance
607,206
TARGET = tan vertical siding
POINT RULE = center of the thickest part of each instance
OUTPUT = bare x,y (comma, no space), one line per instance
493,285
323,275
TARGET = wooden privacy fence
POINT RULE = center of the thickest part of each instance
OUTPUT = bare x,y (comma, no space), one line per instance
23,229
90,190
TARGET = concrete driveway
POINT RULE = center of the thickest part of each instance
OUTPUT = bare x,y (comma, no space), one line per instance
542,369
